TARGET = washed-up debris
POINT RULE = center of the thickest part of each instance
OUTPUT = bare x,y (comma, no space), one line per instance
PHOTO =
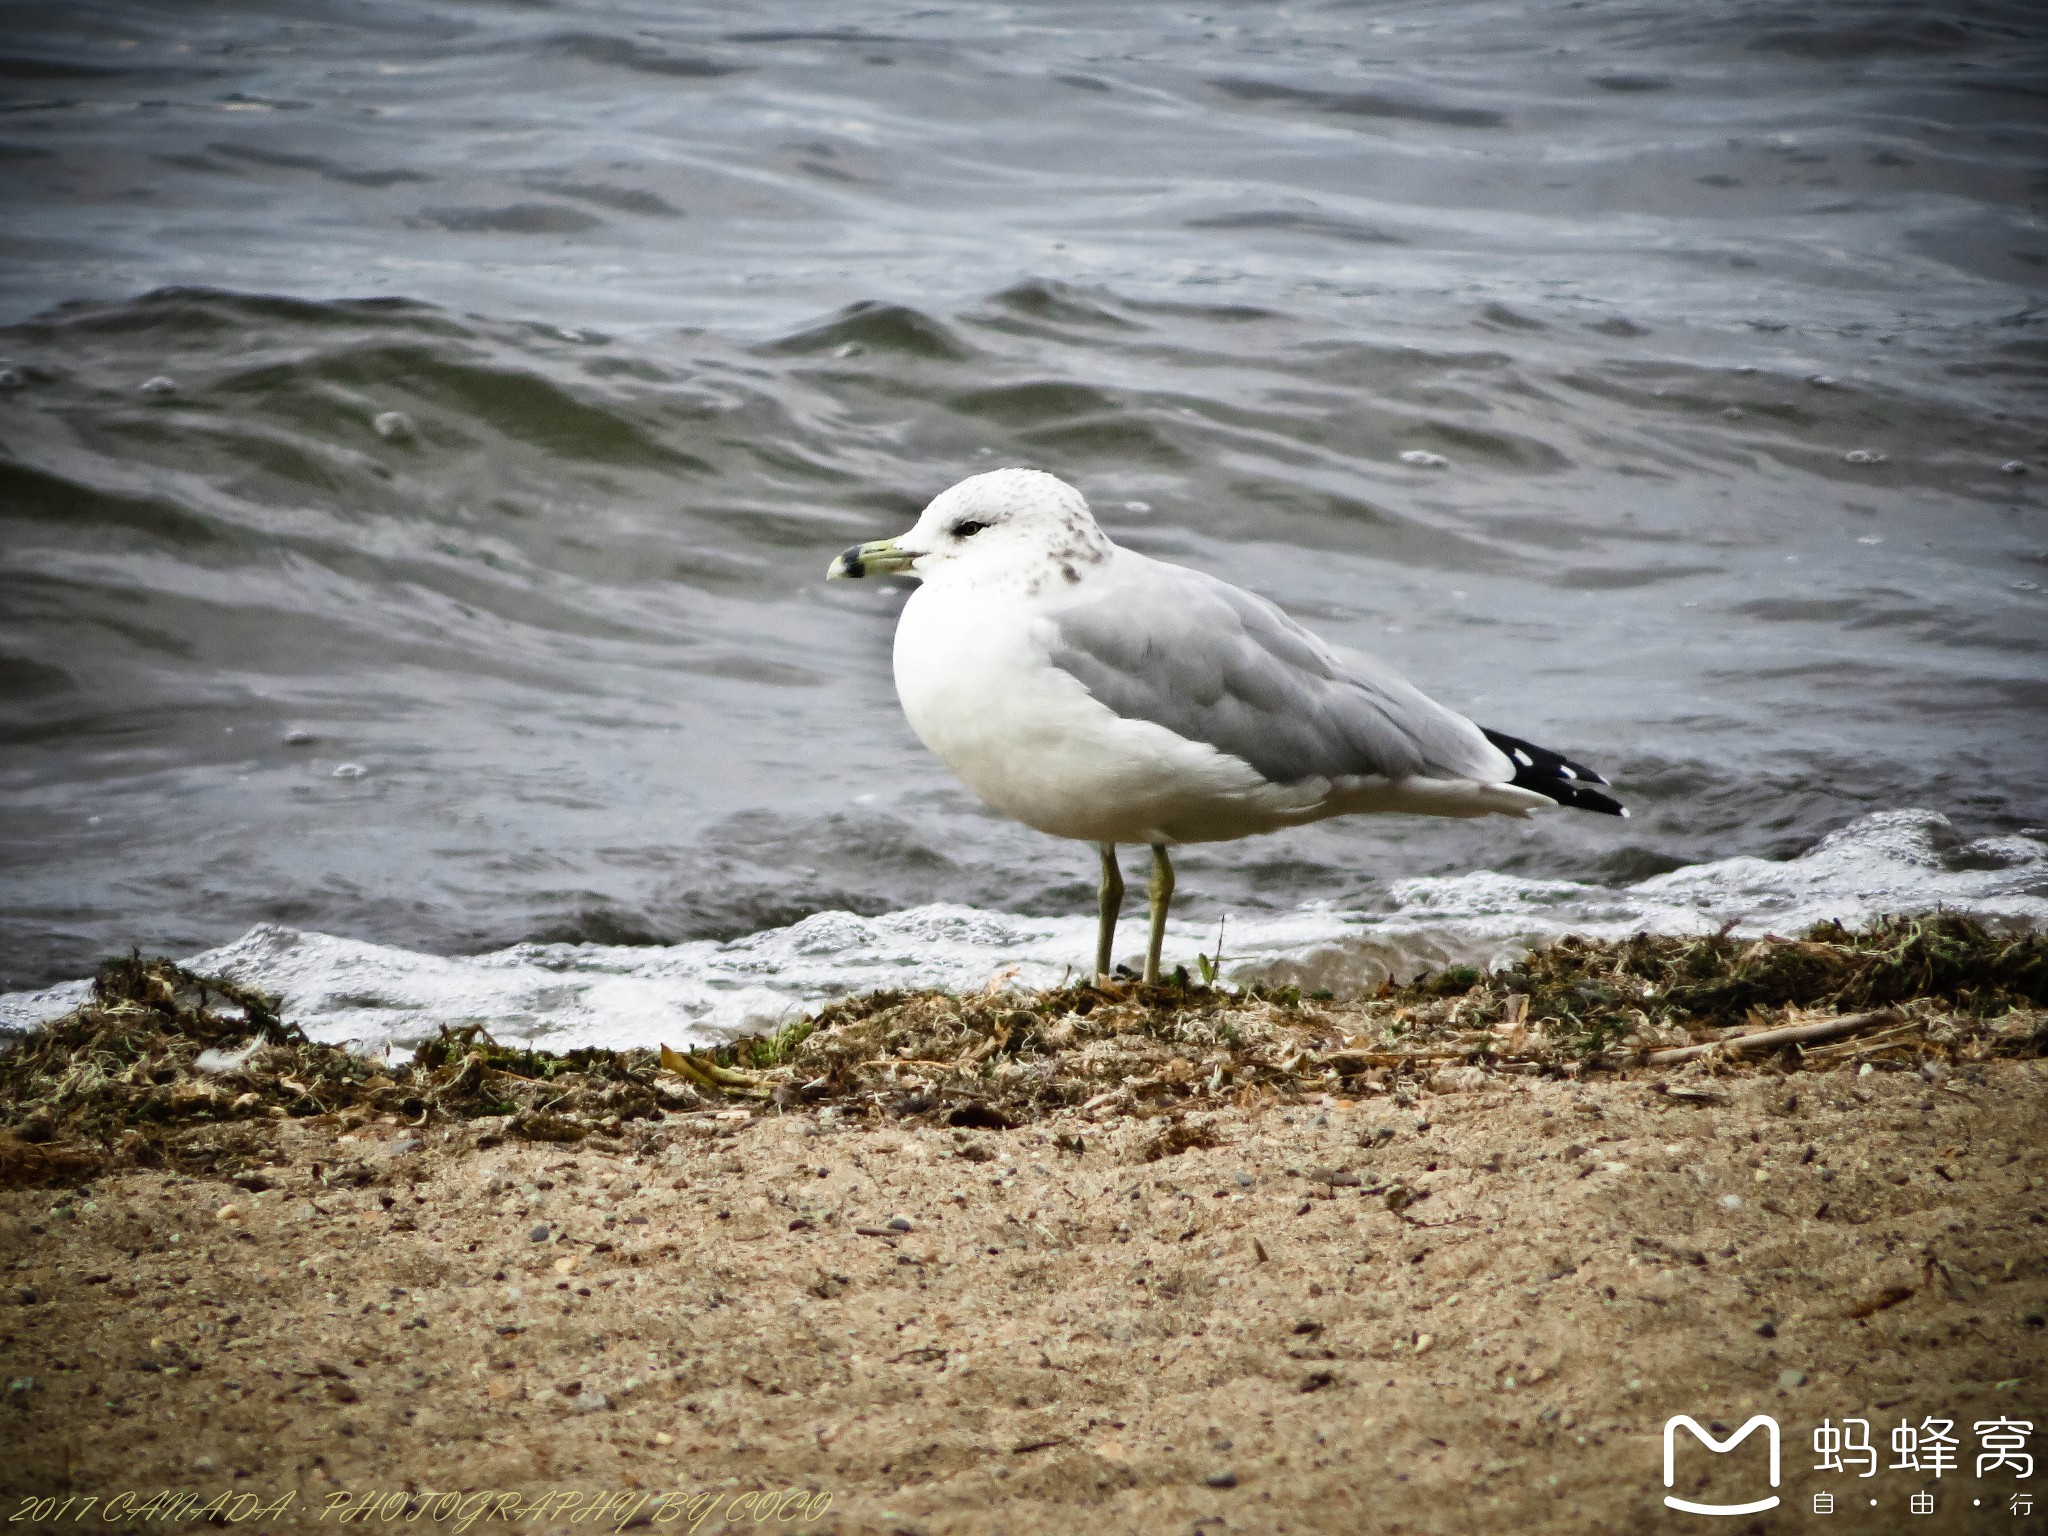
1953,988
164,1068
1600,991
1790,1034
217,1060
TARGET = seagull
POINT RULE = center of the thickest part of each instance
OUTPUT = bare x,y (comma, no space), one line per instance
1095,693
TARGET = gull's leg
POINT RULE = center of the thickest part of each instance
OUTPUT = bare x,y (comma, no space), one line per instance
1109,902
1160,889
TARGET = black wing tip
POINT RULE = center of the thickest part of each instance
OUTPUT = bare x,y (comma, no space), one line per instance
1583,799
1555,776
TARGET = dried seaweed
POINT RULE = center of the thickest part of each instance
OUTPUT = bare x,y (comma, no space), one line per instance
121,1081
1601,992
124,1080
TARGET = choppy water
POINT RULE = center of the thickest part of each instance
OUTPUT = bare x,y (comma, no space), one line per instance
705,991
1727,319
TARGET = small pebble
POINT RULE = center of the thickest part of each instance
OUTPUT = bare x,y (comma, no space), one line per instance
899,1224
663,1437
1765,1329
2012,467
159,386
538,1235
350,771
1863,456
1791,1377
1731,1202
1733,412
1146,506
1224,1479
1425,458
299,738
1822,380
229,1213
592,1402
22,1384
395,426
409,1144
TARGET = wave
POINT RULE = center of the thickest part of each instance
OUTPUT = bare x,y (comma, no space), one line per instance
384,999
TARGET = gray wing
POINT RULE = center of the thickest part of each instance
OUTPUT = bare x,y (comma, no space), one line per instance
1216,664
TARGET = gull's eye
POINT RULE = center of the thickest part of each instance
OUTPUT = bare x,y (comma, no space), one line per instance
967,530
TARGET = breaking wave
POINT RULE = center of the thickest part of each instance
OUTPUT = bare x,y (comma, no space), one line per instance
385,999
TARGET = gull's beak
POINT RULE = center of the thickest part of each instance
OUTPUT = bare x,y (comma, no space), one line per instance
878,558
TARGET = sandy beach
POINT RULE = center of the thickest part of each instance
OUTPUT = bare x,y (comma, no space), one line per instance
1422,1310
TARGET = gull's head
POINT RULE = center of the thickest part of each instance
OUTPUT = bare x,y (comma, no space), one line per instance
1021,524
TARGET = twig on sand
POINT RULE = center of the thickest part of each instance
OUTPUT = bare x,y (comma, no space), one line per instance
1790,1034
703,1072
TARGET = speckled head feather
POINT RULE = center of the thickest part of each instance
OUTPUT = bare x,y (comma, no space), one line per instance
1020,526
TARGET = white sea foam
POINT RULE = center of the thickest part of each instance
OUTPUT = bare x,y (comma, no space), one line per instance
565,995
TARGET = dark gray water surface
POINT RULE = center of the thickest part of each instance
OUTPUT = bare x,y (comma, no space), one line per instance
1728,319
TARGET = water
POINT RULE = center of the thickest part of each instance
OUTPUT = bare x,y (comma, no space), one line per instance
1727,321
704,992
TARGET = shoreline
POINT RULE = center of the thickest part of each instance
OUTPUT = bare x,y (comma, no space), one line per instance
1446,1297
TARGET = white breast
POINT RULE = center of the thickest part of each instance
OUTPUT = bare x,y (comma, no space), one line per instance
1032,742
